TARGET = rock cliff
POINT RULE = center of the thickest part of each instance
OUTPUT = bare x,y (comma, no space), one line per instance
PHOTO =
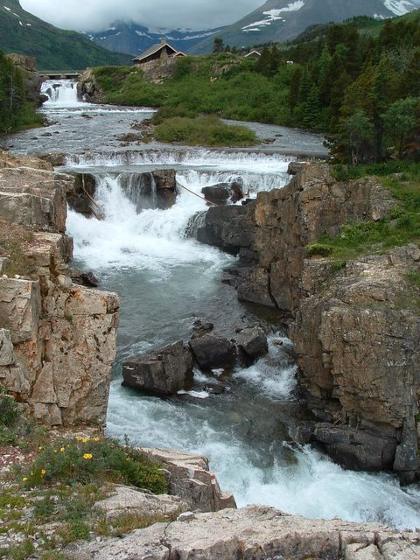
57,339
355,326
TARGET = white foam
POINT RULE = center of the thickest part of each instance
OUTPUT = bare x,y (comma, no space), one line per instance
152,240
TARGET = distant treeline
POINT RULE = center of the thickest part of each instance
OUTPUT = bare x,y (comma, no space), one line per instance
16,110
358,82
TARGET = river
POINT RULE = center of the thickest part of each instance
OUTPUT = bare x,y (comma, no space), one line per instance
166,282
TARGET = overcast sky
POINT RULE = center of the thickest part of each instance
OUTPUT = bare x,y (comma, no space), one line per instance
84,15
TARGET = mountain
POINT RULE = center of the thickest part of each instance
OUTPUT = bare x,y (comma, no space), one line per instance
282,20
133,38
54,49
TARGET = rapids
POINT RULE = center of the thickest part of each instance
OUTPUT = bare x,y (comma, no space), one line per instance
165,282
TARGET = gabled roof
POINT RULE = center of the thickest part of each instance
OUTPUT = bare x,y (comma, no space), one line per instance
251,53
153,50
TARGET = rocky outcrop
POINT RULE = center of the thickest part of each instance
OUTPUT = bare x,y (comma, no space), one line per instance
257,533
27,67
357,346
355,325
190,479
162,372
63,335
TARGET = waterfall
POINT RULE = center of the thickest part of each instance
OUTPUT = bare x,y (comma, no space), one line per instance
134,232
196,222
140,189
61,93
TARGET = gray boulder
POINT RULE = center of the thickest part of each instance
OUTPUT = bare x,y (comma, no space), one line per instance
252,344
217,194
162,372
212,352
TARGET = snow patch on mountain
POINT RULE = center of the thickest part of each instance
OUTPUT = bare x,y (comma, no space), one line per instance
399,7
274,15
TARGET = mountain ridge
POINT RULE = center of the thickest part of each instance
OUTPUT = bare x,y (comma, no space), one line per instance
134,38
54,48
283,20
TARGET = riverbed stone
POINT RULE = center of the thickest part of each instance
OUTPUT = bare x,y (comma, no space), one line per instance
252,344
217,194
212,351
161,372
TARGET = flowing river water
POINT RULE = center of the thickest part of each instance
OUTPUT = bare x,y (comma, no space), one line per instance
167,281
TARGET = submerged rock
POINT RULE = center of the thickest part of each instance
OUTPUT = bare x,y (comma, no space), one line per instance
161,372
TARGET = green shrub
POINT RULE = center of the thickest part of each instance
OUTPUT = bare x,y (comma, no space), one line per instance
203,131
9,410
318,250
92,460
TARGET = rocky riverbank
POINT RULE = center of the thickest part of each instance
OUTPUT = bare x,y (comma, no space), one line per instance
57,338
355,323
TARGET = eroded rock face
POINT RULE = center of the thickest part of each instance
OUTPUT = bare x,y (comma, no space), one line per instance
190,479
357,343
163,372
63,335
257,533
356,330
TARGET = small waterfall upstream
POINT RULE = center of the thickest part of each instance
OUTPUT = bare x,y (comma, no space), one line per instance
165,282
61,93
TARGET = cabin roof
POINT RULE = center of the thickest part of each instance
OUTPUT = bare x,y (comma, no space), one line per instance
253,52
153,50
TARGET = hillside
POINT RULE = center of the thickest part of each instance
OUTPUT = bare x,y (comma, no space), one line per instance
133,38
54,49
282,20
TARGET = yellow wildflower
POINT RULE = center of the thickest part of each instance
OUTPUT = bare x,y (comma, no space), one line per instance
43,472
62,449
25,478
88,456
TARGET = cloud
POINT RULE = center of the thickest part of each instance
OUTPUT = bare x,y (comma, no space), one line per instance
85,15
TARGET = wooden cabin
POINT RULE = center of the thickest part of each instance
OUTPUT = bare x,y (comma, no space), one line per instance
158,53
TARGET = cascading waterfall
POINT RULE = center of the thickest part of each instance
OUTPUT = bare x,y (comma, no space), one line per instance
140,188
165,282
61,93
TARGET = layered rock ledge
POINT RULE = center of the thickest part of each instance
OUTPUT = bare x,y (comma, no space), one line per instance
57,339
257,533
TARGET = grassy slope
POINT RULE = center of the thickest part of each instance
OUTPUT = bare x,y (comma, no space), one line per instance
225,85
54,49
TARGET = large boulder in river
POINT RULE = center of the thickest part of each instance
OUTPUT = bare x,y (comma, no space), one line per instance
217,194
252,344
162,372
220,193
213,352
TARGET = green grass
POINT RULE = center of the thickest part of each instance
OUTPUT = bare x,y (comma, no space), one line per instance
85,461
225,85
400,227
203,131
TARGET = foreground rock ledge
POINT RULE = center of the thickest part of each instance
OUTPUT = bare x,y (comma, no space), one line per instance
255,533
